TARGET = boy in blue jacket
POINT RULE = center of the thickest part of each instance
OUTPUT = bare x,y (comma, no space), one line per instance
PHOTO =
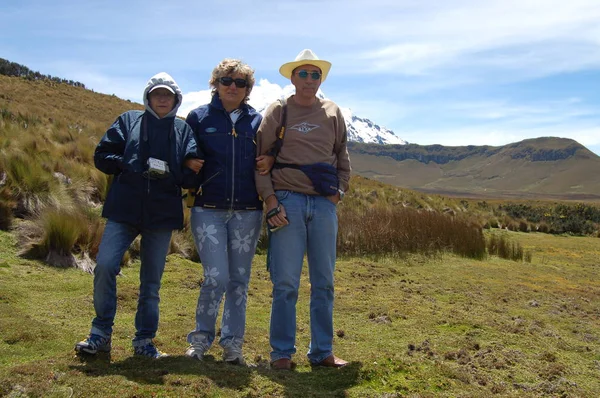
152,155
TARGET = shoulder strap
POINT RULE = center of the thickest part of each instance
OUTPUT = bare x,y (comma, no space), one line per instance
280,131
278,165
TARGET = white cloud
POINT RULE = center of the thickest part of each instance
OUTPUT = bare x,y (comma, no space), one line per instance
527,37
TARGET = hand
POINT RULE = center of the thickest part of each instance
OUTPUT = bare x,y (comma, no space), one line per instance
280,219
264,164
194,164
335,199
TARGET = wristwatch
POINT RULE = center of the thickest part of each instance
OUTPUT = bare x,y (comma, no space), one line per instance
342,193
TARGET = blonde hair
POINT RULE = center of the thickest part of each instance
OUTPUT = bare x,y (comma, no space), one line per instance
228,67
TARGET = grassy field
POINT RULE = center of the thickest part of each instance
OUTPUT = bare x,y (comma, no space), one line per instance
414,326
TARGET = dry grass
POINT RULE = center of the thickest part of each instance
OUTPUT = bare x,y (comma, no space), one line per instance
398,230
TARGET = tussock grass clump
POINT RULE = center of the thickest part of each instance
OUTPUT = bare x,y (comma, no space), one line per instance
29,184
91,232
62,229
67,236
543,227
499,245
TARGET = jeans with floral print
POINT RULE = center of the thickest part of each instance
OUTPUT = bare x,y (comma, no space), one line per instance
226,241
312,230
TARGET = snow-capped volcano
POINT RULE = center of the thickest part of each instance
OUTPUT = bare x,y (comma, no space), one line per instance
265,93
364,130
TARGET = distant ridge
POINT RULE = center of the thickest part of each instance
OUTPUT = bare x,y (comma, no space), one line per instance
538,167
8,68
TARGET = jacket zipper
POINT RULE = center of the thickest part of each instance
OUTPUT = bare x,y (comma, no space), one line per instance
233,137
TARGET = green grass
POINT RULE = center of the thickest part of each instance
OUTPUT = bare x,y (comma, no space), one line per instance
427,327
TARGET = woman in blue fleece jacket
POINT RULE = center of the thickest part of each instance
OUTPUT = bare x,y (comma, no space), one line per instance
152,155
227,213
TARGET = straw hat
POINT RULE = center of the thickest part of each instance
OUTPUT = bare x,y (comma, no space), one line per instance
306,57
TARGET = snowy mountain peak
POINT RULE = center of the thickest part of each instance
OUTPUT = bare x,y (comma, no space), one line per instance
264,93
364,130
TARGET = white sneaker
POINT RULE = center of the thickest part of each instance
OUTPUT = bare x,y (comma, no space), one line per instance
196,351
232,353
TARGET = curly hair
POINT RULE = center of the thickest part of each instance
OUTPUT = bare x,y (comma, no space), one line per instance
229,66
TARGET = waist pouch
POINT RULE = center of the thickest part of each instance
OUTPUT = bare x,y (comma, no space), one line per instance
322,175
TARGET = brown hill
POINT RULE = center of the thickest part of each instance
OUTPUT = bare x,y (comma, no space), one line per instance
542,167
47,101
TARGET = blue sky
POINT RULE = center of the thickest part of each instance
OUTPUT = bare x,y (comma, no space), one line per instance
454,72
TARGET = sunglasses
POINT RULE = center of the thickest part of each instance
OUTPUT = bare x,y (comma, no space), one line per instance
303,74
227,81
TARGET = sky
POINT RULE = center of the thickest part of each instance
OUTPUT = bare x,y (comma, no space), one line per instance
450,72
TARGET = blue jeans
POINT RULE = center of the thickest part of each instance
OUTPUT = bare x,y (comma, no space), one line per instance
312,230
116,240
226,242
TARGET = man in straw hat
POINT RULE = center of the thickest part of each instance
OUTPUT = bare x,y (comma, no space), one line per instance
309,178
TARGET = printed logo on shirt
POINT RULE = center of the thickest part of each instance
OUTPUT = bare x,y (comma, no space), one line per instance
304,127
210,130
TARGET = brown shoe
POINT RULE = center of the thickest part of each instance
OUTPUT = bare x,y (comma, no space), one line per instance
283,364
331,362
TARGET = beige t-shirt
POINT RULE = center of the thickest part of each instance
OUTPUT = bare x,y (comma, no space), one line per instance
313,134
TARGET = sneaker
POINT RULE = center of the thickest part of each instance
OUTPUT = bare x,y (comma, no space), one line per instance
148,350
94,343
198,347
196,351
232,352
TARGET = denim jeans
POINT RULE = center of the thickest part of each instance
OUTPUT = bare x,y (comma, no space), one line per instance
312,230
116,240
226,241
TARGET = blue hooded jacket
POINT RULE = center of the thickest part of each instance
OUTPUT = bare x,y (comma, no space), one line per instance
229,152
135,198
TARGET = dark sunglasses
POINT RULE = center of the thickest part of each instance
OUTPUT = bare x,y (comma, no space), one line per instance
303,74
239,83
